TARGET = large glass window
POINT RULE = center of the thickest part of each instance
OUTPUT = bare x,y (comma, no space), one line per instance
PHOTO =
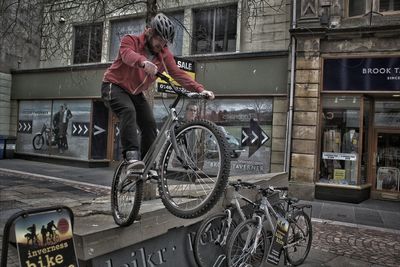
234,117
387,114
57,128
357,7
88,43
389,5
340,140
136,26
214,30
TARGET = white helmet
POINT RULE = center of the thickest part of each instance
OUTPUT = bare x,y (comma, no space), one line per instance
164,27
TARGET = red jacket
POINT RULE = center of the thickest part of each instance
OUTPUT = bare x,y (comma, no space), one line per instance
127,73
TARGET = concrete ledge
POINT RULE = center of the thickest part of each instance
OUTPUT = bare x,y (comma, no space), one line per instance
98,235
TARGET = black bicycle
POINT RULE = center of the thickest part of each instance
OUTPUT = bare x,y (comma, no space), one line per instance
189,182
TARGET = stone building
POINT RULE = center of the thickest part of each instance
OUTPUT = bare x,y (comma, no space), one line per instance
346,119
237,48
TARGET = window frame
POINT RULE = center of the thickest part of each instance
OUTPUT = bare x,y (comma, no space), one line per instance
367,9
91,26
214,9
388,11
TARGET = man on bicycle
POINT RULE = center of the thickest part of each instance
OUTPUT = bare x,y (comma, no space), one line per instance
132,72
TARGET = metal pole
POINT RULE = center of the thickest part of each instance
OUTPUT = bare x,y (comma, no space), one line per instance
288,143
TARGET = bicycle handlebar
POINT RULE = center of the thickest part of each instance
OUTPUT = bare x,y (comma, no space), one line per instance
182,92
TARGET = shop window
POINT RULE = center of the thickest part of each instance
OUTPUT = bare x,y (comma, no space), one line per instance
357,8
387,114
232,116
54,128
389,5
136,26
340,144
214,30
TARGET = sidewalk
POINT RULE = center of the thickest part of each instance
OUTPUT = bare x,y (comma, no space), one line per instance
345,234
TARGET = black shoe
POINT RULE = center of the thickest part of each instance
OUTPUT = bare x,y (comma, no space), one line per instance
134,164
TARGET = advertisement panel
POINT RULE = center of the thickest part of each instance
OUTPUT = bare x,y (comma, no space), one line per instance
59,127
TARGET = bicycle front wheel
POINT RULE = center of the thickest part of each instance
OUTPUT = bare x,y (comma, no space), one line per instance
126,196
242,250
193,179
211,239
38,141
299,238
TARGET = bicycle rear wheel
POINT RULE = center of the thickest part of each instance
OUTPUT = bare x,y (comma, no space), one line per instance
191,185
240,244
210,241
299,238
126,196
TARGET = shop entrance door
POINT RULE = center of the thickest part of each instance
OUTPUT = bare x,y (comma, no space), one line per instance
386,165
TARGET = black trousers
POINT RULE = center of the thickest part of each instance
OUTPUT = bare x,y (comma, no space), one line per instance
133,112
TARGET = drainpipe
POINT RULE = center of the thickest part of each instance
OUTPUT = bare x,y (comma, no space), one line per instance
288,143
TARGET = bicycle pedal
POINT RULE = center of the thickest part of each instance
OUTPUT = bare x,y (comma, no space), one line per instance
134,172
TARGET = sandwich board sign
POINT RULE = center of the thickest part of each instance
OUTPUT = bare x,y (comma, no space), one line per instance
45,238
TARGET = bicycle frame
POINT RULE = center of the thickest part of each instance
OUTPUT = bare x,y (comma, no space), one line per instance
167,132
236,204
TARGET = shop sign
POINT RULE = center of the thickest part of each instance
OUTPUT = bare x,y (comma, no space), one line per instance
362,74
339,156
185,65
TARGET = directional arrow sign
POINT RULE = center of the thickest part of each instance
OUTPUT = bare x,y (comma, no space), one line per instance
80,129
253,137
24,126
98,130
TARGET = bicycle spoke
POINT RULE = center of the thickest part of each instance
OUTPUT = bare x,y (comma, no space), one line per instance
189,178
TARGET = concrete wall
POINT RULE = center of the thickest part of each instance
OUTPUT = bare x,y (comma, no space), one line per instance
20,34
5,105
278,134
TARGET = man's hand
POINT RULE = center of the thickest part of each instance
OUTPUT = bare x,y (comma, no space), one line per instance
208,94
149,67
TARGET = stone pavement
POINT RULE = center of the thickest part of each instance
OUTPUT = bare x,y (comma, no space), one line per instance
348,243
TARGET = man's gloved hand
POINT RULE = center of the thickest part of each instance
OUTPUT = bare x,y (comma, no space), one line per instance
149,67
208,94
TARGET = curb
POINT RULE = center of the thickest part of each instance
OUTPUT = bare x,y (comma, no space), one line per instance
355,225
47,177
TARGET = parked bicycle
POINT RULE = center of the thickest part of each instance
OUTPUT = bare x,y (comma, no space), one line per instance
189,183
213,233
45,136
250,242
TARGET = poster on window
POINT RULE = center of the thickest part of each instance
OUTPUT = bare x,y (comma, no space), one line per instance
56,128
232,115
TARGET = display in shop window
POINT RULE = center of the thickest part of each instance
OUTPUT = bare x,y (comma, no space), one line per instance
53,126
340,141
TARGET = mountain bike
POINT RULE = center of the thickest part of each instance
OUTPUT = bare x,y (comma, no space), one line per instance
189,183
268,233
